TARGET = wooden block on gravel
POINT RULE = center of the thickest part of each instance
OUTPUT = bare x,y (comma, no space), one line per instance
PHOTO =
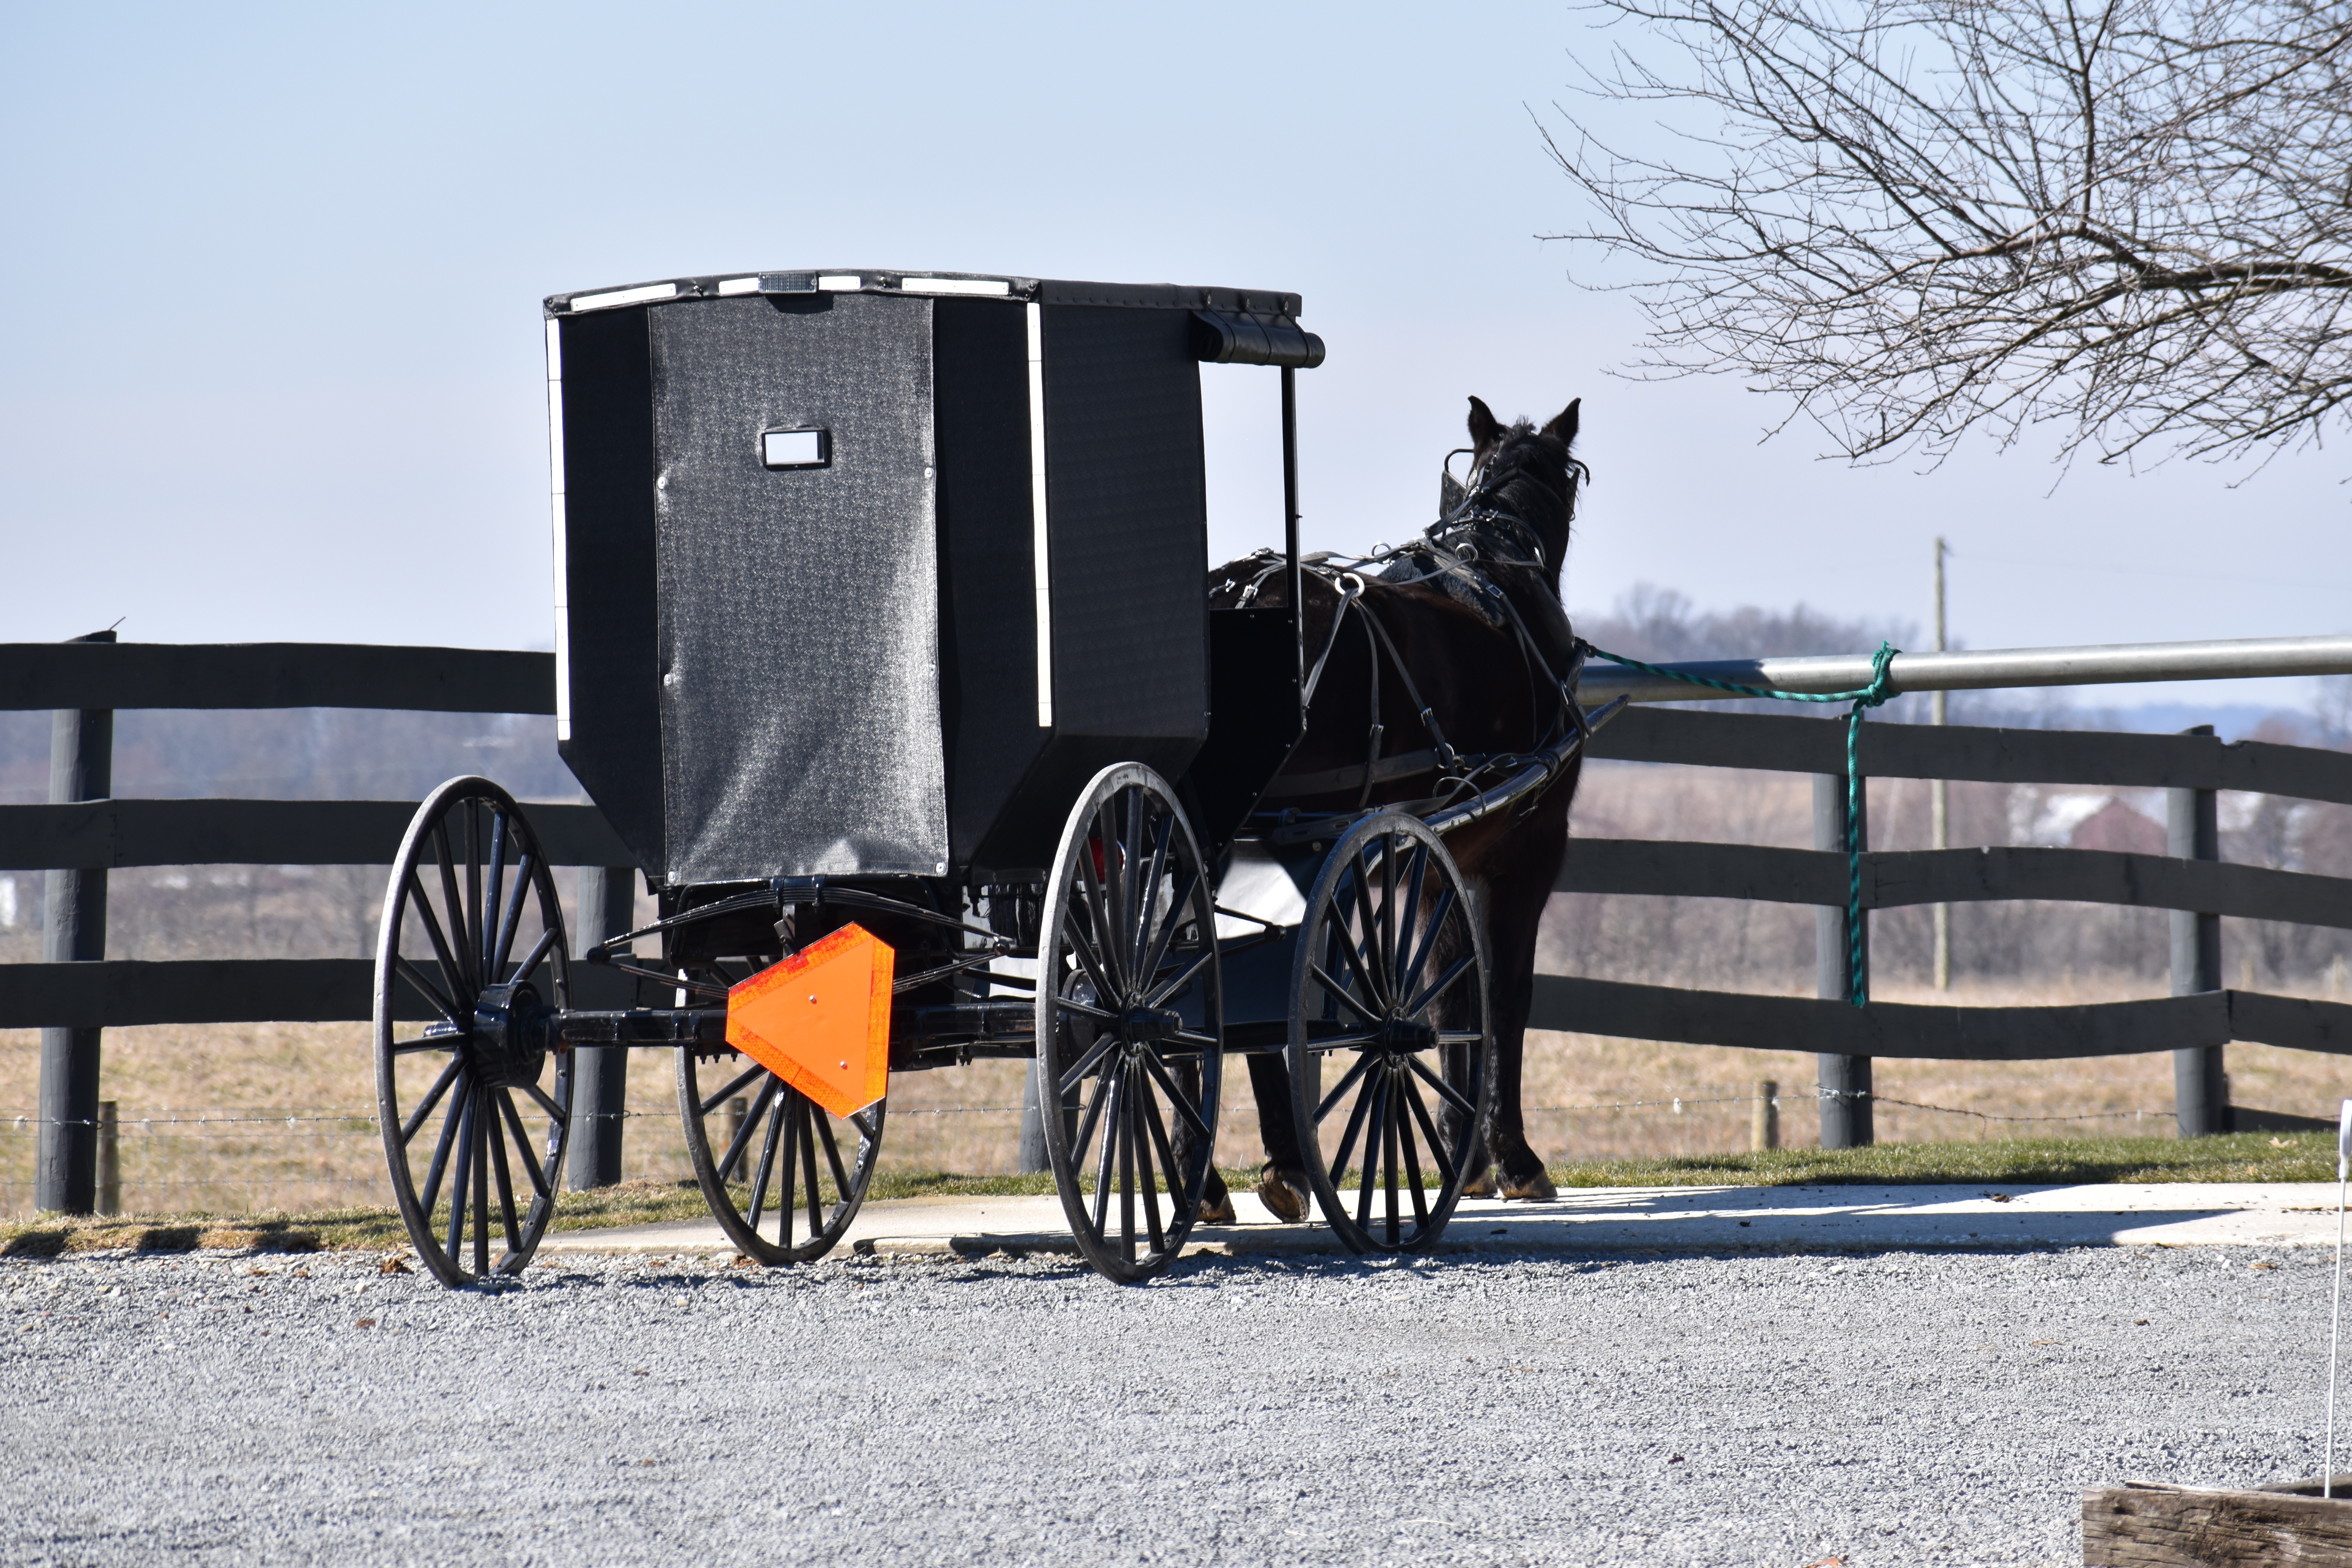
2143,1526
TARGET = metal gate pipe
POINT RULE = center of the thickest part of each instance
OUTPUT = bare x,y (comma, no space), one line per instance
1986,669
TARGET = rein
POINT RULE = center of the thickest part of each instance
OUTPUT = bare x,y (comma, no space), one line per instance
1467,544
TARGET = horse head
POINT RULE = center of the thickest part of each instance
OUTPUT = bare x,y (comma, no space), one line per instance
1528,474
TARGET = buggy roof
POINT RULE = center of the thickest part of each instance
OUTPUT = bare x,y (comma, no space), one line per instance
889,280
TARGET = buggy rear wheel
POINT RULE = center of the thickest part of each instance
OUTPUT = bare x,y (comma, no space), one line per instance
1388,985
471,943
1128,1003
784,1175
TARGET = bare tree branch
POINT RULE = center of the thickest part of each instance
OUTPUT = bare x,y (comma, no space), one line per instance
2128,221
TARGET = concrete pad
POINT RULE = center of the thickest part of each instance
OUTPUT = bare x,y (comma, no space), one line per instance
1825,1218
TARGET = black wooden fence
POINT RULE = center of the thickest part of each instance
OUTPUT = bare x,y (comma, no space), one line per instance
2196,1021
85,682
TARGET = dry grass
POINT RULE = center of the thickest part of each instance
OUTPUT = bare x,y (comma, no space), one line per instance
276,1117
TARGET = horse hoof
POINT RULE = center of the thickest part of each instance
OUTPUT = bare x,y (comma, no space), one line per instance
1284,1193
1535,1188
1217,1208
1481,1186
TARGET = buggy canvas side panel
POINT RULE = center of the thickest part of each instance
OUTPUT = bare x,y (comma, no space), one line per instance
800,708
611,671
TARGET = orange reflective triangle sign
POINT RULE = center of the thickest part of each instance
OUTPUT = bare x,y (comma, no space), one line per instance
821,1019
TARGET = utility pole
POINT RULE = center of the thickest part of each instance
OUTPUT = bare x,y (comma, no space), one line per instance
1939,813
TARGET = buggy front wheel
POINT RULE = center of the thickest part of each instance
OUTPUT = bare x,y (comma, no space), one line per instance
1130,1023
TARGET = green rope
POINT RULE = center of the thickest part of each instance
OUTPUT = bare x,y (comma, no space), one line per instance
1862,698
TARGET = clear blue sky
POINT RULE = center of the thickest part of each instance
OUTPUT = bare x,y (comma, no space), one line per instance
273,362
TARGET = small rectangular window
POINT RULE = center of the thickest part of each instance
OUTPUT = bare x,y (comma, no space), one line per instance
794,448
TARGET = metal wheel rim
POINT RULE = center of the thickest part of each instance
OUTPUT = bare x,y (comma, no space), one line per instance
1396,1096
466,1125
1129,866
783,1134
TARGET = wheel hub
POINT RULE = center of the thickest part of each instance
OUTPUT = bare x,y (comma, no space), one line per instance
1406,1037
1150,1024
507,1045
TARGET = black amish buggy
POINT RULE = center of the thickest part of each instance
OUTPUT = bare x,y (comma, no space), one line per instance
885,642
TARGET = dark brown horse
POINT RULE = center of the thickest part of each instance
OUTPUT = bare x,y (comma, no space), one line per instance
1489,676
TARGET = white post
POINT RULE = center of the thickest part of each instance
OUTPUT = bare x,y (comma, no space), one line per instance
1938,797
2335,1312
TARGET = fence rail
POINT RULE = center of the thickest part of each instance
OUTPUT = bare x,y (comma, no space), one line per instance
81,991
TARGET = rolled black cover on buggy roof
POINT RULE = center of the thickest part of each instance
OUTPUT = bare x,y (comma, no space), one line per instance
866,573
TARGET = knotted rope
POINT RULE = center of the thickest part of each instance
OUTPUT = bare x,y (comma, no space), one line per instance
1863,698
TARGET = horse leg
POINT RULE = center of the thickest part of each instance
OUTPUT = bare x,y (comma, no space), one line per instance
1282,1183
1514,905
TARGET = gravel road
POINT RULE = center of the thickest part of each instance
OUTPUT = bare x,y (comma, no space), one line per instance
1706,1409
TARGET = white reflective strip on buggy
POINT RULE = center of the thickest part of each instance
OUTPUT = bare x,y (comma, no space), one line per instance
624,297
555,500
995,286
1040,536
728,286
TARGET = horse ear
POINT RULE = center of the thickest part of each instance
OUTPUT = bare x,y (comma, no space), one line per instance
1563,423
1485,428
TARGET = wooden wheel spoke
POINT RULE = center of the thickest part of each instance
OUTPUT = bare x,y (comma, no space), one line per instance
1412,1158
482,1182
1112,1136
418,1047
1364,1060
1334,989
492,909
1127,1141
1350,950
546,1103
535,958
452,970
1416,872
477,940
1176,1098
1071,1005
734,1087
458,1189
1428,944
823,1126
454,902
1448,1164
1446,1090
1147,928
1105,1043
1185,976
1388,904
809,1115
513,1123
432,994
1348,1138
1146,1117
1090,880
1083,1134
736,1145
450,1126
1131,891
1158,955
765,1170
1438,987
1389,1155
1082,948
498,1141
431,1098
1377,1097
787,1211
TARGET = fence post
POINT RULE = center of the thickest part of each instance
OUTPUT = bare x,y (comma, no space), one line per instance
600,1074
81,767
1844,1081
1033,1156
2200,1084
1764,1118
109,1158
